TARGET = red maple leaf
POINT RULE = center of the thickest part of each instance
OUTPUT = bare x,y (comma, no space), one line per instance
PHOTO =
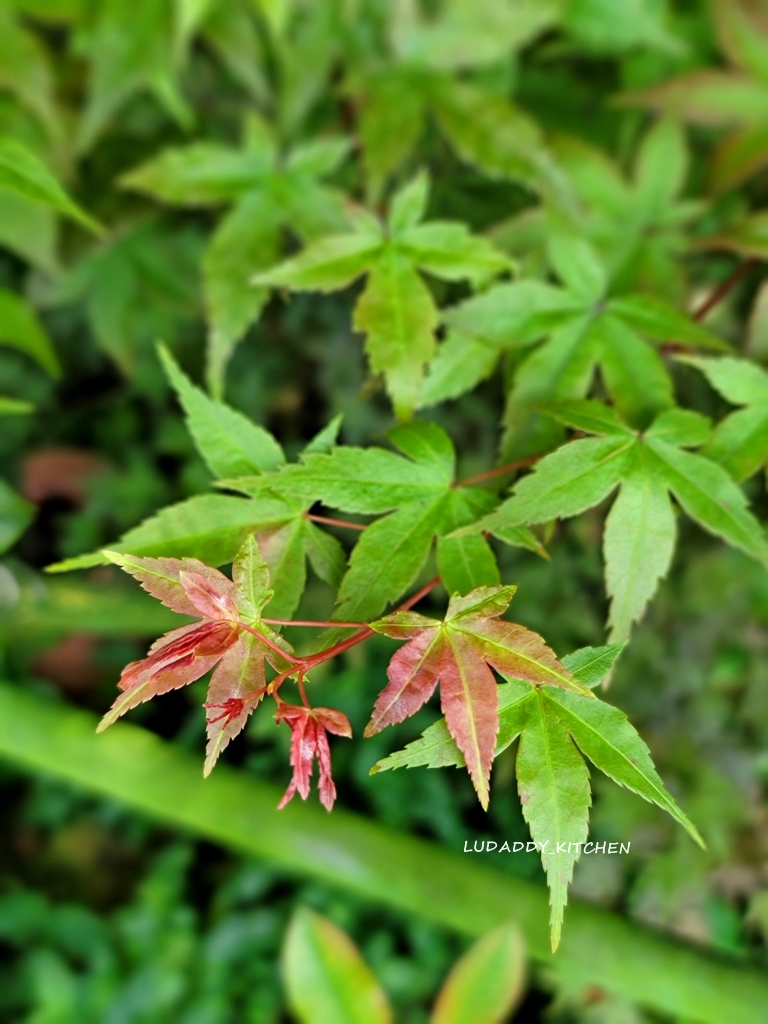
223,637
187,653
309,740
459,654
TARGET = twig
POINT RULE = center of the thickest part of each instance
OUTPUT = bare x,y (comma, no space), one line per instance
510,467
313,622
722,289
336,522
407,605
283,654
317,659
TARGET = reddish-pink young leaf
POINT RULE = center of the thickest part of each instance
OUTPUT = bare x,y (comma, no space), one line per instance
470,702
309,740
160,578
413,674
236,687
187,656
458,652
208,598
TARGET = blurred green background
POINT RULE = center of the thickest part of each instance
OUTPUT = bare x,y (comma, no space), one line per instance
108,916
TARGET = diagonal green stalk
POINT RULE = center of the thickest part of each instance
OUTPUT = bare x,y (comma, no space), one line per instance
376,863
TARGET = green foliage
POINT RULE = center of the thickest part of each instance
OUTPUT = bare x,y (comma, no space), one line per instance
486,983
23,173
396,311
326,977
515,270
639,533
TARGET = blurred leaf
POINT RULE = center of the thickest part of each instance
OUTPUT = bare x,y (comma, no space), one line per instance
268,192
29,230
471,33
325,976
603,26
398,317
25,70
130,48
22,172
13,406
21,329
141,286
15,516
486,983
459,365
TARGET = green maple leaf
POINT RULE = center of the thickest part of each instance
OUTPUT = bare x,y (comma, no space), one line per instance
583,328
212,527
640,529
636,222
735,98
419,79
138,285
129,44
266,190
395,311
414,494
740,441
558,727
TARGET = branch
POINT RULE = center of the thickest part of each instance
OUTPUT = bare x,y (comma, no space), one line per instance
722,289
317,659
489,474
335,522
283,654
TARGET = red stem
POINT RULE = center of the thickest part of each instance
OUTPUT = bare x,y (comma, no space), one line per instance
317,659
302,691
489,474
722,289
407,605
336,522
283,654
313,622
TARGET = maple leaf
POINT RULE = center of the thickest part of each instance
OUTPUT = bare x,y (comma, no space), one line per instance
558,728
564,333
734,98
266,190
459,654
220,638
648,468
309,740
211,527
740,441
422,502
395,311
